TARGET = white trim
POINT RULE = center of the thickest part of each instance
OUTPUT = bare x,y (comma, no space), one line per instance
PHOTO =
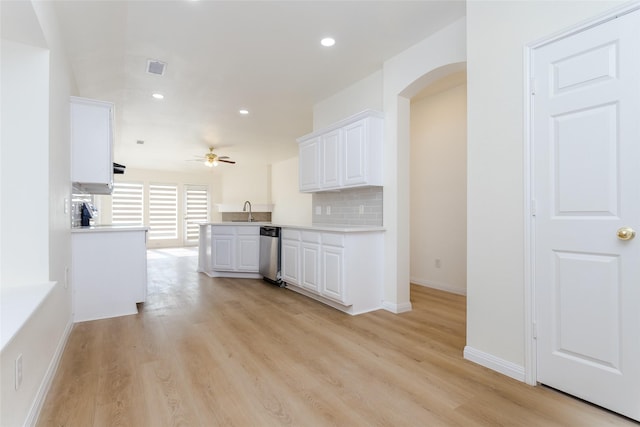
530,348
530,355
494,363
45,385
439,286
396,308
587,24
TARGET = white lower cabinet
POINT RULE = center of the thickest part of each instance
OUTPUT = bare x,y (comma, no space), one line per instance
234,249
332,285
223,253
290,257
343,270
310,261
248,252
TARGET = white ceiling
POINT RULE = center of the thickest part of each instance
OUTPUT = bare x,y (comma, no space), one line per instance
225,55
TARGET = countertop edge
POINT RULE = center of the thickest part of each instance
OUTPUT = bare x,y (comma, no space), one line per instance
108,228
328,228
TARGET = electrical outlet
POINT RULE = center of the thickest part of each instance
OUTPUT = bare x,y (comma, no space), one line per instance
361,209
438,263
328,210
66,277
318,210
18,371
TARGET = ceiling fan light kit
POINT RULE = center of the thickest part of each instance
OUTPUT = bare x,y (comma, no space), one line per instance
212,160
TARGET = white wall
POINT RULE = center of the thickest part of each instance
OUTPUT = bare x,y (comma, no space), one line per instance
362,95
290,206
404,76
246,181
41,339
25,165
496,35
439,188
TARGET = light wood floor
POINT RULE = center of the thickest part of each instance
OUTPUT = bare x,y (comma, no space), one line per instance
221,352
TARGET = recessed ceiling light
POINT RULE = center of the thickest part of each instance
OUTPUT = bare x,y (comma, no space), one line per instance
158,96
243,112
327,42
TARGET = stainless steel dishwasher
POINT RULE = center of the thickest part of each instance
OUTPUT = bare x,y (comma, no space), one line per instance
270,254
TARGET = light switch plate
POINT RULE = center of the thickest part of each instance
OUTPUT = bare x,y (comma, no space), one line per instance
318,210
328,210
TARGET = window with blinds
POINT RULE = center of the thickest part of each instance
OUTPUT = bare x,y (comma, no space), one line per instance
127,204
163,211
196,202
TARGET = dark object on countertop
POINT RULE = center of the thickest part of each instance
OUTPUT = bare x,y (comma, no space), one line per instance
85,215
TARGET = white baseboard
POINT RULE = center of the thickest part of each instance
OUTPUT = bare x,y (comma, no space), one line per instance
396,308
45,385
494,363
438,285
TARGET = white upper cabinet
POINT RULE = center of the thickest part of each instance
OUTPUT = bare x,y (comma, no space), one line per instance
309,155
331,160
91,146
362,153
345,155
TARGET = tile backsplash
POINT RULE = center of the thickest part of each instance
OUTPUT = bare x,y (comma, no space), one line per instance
356,206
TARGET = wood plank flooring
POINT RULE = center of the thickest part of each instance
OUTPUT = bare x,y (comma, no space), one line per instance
222,352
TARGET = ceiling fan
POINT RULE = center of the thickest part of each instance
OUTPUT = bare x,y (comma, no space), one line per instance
211,159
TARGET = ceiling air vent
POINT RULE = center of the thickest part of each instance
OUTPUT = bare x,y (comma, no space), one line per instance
156,67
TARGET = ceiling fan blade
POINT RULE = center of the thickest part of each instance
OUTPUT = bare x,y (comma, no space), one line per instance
226,161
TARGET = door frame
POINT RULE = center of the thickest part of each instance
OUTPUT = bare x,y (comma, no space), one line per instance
530,350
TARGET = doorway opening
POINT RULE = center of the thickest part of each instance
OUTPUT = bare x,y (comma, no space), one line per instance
438,181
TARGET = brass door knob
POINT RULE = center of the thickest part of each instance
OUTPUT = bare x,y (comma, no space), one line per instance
626,233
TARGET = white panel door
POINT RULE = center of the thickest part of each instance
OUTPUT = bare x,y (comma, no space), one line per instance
248,253
310,263
332,273
330,160
355,153
586,148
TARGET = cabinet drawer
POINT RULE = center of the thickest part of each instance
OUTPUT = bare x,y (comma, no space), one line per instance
248,230
223,229
333,239
290,234
311,237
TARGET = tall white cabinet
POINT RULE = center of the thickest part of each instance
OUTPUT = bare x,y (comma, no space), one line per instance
345,155
91,145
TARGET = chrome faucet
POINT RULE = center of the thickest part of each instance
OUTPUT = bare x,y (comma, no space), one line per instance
244,209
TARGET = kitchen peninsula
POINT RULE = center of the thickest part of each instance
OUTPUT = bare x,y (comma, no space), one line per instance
340,266
109,271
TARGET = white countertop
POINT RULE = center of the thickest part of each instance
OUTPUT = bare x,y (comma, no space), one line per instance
108,228
329,228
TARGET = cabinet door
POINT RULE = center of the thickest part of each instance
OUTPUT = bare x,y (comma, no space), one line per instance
355,153
290,267
310,260
330,160
333,273
223,253
91,142
309,160
248,253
